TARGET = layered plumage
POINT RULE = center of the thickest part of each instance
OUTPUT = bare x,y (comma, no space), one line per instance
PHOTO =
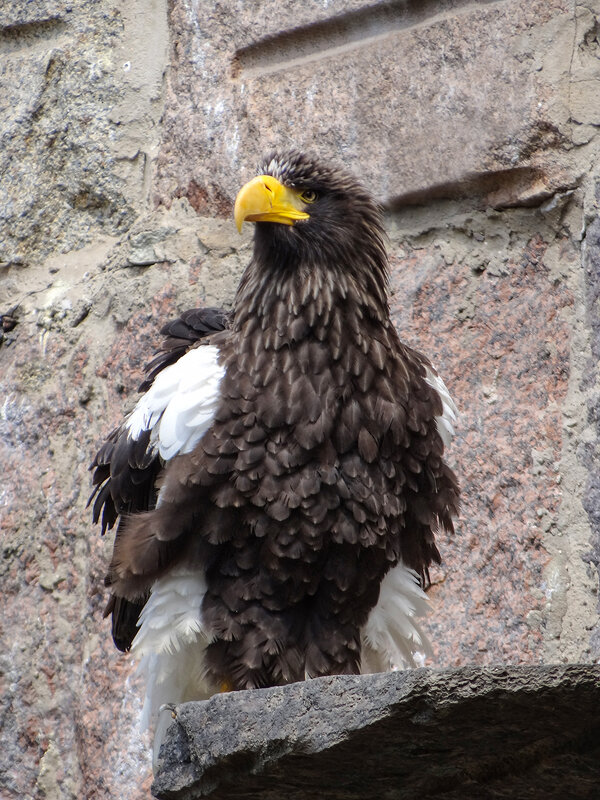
282,479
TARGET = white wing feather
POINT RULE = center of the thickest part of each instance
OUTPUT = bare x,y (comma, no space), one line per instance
180,405
445,423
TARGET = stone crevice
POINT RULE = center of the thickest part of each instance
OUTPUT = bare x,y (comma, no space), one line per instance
343,32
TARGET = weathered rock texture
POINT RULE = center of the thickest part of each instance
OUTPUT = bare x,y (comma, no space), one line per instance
126,130
464,734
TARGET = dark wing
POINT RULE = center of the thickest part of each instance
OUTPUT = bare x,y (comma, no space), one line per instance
181,333
431,492
124,470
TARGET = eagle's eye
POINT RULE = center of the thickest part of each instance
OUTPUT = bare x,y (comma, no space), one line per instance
308,196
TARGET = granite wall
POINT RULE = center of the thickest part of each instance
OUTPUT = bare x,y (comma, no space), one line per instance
127,128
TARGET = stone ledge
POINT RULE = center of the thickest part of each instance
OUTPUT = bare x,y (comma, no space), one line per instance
497,732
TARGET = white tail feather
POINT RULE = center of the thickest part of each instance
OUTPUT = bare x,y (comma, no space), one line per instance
392,637
171,644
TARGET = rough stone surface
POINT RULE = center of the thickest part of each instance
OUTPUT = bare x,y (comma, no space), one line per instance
126,131
80,91
470,733
477,89
484,316
590,450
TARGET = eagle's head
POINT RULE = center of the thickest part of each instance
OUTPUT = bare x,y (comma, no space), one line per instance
310,214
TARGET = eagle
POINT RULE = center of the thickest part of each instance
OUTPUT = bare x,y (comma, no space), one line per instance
278,486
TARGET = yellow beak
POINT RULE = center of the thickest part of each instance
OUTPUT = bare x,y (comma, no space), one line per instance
264,199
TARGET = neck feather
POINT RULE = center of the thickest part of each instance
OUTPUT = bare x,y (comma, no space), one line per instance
278,291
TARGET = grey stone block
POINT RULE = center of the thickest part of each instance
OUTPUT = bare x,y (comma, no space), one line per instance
470,733
418,97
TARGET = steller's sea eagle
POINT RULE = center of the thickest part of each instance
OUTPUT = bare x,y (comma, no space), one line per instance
279,484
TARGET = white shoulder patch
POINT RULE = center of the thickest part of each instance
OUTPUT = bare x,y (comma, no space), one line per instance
392,637
445,423
180,405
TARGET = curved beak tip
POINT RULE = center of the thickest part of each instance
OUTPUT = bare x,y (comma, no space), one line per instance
265,199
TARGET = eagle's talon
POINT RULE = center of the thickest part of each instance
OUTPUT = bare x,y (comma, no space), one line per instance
172,707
